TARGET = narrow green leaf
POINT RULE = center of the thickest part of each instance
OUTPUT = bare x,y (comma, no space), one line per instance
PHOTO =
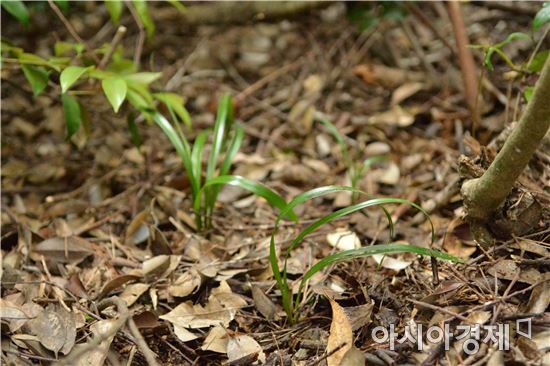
63,5
114,7
281,276
37,77
542,17
528,93
224,117
196,155
347,255
232,150
18,10
538,61
512,37
143,13
338,137
256,188
32,59
70,75
142,90
71,109
488,55
175,102
143,77
137,100
134,130
178,5
349,210
181,146
115,90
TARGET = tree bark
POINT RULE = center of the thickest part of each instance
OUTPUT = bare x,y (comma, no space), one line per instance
482,196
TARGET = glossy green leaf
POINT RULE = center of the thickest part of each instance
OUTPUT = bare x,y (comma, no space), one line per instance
70,75
542,17
71,110
114,7
137,100
143,77
18,10
37,77
32,59
175,104
143,13
115,90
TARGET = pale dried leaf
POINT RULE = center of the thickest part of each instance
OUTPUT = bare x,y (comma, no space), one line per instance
405,91
183,334
344,240
396,116
390,262
340,333
353,357
63,250
243,345
220,309
156,265
132,292
138,231
185,284
216,340
95,356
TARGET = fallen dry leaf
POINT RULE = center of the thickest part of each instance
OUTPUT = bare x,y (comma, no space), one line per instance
216,340
344,240
220,309
185,284
243,345
132,292
63,250
341,336
263,303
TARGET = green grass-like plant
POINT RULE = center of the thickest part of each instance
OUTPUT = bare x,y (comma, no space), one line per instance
120,82
355,168
290,302
227,136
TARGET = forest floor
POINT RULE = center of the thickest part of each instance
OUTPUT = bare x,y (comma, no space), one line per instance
95,217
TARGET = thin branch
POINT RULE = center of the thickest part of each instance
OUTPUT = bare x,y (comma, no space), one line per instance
141,37
114,44
71,29
465,59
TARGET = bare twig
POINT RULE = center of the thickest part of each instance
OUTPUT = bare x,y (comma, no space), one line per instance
465,59
114,44
141,37
71,29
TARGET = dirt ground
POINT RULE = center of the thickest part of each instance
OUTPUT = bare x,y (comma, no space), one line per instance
96,218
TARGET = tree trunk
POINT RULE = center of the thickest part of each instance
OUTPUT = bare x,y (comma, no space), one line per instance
482,196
